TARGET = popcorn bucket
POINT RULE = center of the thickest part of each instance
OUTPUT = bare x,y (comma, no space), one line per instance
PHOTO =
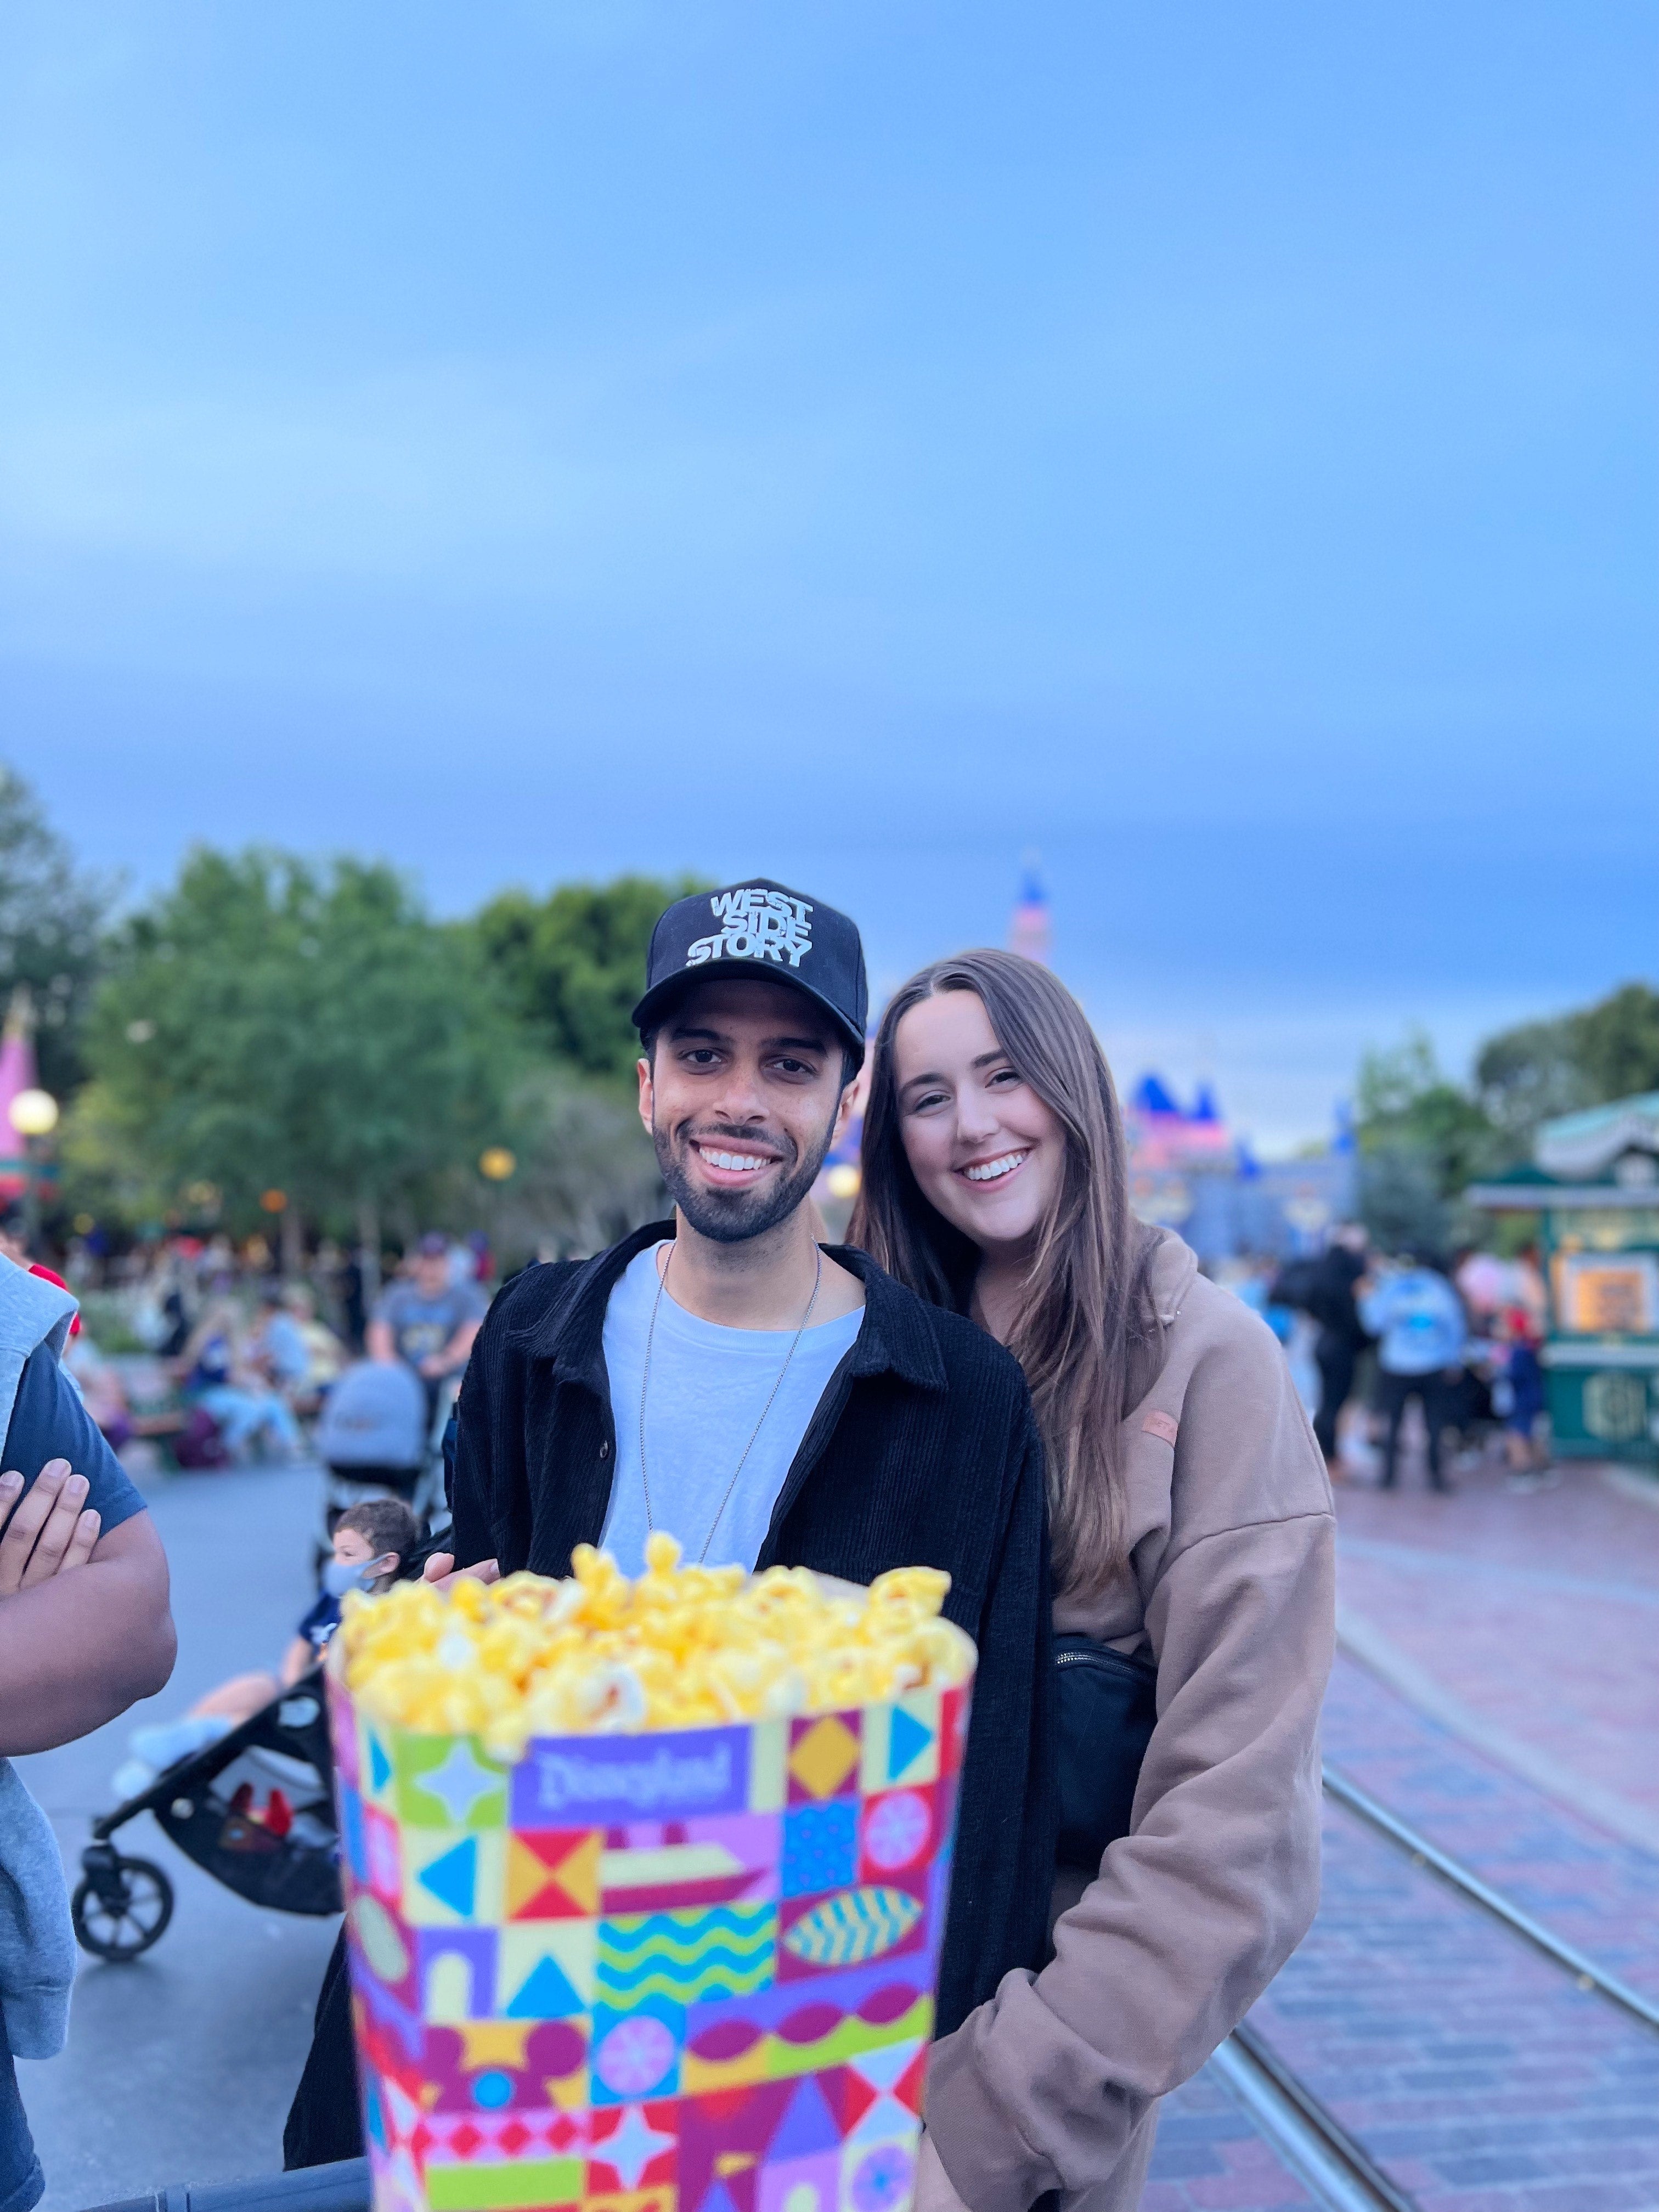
673,1971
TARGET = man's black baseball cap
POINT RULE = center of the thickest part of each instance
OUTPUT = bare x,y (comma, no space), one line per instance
762,928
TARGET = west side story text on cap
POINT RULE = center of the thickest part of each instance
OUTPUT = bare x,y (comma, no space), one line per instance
764,925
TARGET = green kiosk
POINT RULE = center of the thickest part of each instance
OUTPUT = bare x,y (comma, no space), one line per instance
1595,1188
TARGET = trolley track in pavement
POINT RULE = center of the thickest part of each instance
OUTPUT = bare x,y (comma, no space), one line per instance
1422,1853
1335,2166
1330,2161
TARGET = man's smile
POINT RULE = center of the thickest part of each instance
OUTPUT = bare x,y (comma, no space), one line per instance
729,1163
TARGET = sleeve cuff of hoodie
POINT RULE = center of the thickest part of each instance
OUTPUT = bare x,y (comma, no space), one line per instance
989,2164
36,2021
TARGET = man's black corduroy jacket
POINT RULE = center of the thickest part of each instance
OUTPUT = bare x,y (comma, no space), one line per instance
922,1452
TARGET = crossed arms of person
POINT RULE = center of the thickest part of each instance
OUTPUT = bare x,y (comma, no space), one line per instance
382,1344
85,1628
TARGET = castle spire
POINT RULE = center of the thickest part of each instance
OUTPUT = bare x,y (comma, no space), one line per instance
1030,934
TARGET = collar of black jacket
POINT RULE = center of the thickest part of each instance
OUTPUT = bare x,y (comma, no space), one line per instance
896,1338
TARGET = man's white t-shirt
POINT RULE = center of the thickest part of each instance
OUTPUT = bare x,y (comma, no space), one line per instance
707,1386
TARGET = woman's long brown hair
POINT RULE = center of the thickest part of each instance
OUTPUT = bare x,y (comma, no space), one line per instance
1086,1331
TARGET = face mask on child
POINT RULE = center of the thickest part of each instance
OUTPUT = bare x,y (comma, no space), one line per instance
340,1575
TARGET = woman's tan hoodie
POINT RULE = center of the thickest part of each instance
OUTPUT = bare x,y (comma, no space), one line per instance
1230,1588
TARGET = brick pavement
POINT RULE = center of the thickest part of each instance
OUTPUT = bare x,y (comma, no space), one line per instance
1209,2158
1538,1613
1586,1886
1472,2070
1590,1526
1476,2073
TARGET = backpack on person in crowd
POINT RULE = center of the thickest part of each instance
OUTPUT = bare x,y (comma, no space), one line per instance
375,1416
1297,1282
198,1447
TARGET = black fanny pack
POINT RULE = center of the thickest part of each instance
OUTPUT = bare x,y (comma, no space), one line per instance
1107,1708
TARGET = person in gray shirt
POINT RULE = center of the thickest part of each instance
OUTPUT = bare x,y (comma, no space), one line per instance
426,1319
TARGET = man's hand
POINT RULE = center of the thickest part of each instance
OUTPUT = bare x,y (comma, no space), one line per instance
435,1365
440,1569
49,1532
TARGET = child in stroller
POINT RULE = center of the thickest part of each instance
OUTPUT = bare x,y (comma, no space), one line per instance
375,1440
244,1783
371,1542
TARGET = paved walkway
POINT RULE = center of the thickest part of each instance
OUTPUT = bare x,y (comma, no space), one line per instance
1473,2070
1593,1890
1509,1710
1536,1617
1210,2158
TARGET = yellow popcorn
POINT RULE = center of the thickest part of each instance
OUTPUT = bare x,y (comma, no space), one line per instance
681,1647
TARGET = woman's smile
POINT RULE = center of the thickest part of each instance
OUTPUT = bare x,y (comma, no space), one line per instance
994,1170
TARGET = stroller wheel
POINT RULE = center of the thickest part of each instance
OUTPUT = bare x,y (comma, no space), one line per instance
121,1906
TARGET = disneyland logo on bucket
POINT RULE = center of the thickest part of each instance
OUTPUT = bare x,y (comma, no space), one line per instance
706,1772
754,925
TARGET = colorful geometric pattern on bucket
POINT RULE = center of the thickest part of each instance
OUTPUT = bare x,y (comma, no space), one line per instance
683,1971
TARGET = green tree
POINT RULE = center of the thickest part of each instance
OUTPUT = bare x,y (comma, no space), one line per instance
1527,1075
104,1170
573,964
1423,1138
1405,1103
51,916
267,1024
1616,1044
586,1172
1402,1206
1422,1141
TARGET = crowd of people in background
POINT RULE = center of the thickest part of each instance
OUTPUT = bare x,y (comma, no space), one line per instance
1371,1335
239,1360
198,1350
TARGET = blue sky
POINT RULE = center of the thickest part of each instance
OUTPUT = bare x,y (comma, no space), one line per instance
1215,446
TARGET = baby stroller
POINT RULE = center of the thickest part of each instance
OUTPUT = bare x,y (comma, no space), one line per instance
376,1439
255,1810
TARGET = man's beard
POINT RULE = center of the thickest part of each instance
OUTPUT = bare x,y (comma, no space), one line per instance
732,1216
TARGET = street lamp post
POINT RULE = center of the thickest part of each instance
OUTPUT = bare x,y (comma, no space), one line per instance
33,1113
